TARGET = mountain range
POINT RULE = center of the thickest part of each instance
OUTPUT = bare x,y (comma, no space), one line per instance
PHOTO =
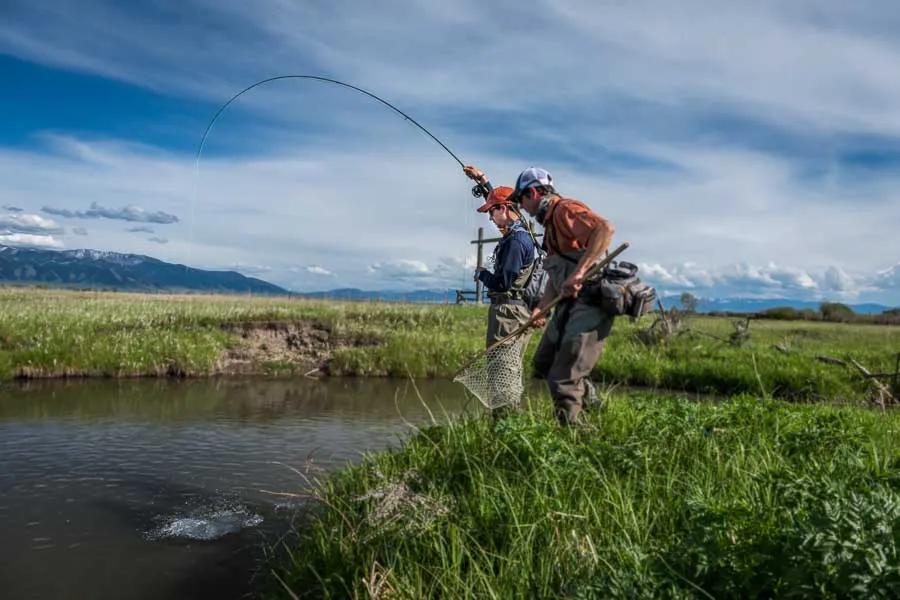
704,305
114,270
419,296
753,305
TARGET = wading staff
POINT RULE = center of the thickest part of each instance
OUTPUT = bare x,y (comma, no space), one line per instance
593,271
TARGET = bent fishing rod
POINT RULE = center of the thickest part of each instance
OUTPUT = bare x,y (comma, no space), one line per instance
478,190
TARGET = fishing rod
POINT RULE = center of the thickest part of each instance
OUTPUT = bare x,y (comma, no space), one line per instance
478,190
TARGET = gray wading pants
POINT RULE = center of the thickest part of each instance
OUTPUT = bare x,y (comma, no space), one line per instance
505,368
571,346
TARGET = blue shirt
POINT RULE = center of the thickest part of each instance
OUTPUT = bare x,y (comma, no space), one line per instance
513,253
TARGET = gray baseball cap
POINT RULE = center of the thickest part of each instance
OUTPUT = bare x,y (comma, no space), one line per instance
529,178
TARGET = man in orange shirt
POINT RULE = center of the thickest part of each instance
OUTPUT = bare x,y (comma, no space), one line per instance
575,237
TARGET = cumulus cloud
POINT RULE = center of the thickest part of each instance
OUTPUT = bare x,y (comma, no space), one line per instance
248,269
401,269
28,223
140,229
158,240
673,276
888,279
126,213
836,279
317,270
29,240
79,231
35,231
444,272
741,279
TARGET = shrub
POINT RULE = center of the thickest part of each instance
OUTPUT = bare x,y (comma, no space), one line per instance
835,311
784,313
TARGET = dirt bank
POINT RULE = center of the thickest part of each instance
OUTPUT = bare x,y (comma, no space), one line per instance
284,347
291,347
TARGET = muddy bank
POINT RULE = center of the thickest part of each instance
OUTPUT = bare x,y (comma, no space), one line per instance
273,347
255,348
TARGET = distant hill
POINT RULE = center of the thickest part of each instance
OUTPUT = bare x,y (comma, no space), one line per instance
705,305
132,272
753,305
423,296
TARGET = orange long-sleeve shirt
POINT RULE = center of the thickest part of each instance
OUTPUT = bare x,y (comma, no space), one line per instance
569,224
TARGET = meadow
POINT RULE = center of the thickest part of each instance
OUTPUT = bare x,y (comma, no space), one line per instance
52,333
652,497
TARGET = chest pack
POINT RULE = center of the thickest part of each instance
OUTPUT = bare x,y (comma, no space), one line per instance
619,291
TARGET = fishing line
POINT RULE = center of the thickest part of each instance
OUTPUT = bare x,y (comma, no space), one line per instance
478,190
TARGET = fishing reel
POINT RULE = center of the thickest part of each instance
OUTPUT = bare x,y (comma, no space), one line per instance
479,191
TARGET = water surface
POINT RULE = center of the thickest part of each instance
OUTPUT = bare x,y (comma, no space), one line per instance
167,489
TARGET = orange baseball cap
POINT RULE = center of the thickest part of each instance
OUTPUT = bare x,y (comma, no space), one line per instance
499,196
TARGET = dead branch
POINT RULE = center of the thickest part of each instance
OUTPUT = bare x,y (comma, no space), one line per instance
829,360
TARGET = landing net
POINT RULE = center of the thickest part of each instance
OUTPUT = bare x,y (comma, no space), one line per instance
495,377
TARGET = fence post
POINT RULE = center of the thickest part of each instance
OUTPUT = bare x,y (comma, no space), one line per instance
478,263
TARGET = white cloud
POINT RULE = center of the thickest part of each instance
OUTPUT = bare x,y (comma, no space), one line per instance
317,270
28,223
888,279
744,280
29,240
402,268
836,279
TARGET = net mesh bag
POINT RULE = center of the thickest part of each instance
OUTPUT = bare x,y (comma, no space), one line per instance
495,377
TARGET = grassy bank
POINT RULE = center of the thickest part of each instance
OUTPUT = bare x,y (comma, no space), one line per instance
654,498
54,333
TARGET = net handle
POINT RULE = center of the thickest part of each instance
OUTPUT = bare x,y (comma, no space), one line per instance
594,270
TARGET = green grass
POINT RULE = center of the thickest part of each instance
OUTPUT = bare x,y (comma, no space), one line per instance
54,332
654,497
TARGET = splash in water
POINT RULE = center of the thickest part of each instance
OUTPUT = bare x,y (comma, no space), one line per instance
205,523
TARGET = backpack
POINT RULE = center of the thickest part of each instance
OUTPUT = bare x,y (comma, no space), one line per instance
533,290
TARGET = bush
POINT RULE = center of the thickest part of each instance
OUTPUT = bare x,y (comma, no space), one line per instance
784,313
808,314
835,311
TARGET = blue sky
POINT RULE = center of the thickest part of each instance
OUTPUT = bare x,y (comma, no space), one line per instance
743,151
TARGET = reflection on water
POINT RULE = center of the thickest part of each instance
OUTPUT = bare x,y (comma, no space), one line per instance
158,488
